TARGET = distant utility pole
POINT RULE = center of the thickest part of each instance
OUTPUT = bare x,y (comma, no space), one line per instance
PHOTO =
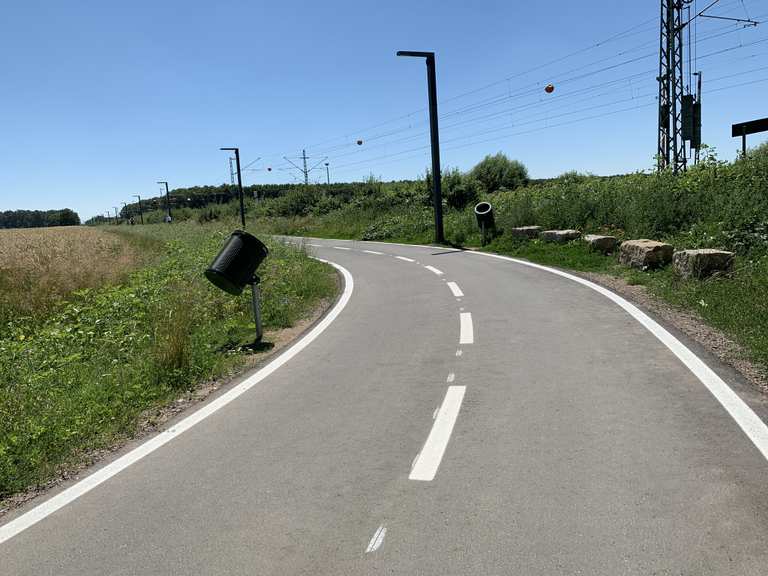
679,113
167,199
239,183
305,171
327,174
116,219
141,212
437,193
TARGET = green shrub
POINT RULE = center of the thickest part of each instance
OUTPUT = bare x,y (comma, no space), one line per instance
459,190
496,172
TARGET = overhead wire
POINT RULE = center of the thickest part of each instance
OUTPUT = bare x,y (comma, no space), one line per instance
628,32
528,105
505,97
476,106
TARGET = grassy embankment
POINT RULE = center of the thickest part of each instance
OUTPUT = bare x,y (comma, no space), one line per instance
98,327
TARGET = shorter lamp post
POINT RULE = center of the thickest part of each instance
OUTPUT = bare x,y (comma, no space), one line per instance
327,174
239,182
141,212
167,199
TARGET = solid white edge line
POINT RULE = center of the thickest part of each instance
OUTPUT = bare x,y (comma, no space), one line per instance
455,289
466,332
755,429
435,270
377,540
41,511
374,252
431,455
404,259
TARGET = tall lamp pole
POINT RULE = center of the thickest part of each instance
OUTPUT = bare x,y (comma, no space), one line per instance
437,194
167,199
239,183
141,212
327,174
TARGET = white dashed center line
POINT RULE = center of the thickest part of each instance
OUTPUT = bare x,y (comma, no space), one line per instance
455,289
404,259
374,252
342,248
467,333
377,540
431,455
435,270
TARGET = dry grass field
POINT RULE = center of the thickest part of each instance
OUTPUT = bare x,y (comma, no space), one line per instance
39,266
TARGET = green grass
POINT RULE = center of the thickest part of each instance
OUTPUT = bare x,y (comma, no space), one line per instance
79,377
574,255
734,304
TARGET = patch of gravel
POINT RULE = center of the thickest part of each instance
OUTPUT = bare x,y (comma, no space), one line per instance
155,419
690,324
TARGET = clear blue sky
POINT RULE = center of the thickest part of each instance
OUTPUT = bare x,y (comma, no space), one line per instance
101,99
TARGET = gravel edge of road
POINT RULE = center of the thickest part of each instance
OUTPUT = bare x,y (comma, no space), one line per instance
693,326
156,419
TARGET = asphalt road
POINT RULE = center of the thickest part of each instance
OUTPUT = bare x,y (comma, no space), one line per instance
476,417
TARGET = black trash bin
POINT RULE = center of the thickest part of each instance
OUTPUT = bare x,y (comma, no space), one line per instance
484,215
235,265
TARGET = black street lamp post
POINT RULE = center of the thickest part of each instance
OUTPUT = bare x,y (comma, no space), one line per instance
167,199
437,194
239,183
141,212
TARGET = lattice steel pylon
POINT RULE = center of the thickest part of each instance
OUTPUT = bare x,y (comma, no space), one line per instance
671,146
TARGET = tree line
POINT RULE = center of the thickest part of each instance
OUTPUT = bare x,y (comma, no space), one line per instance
38,218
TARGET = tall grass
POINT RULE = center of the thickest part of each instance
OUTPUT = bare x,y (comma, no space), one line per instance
40,266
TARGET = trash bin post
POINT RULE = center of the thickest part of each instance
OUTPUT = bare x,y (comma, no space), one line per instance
255,300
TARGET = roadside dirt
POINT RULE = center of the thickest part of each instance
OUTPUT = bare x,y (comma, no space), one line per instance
725,349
